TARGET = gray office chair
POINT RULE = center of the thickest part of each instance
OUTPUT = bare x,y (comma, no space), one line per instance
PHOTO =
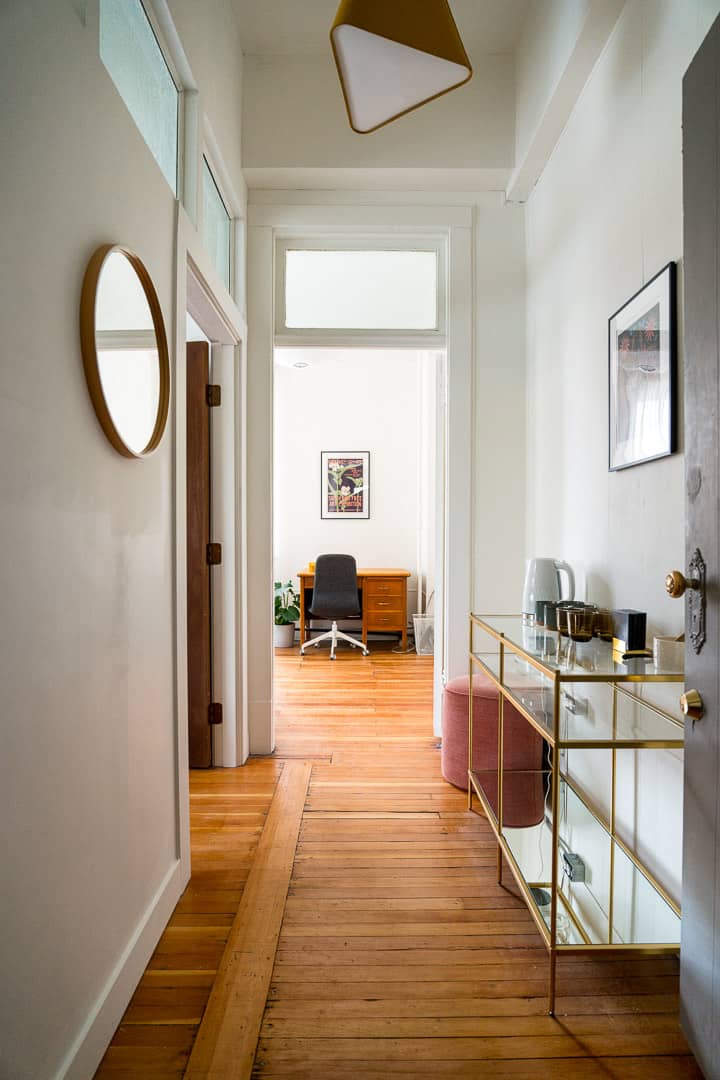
335,596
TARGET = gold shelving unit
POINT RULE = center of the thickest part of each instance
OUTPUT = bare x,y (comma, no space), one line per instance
580,701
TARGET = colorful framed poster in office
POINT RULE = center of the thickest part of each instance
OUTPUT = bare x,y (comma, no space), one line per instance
344,482
642,374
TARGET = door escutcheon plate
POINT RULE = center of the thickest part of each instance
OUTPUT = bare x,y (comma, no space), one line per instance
696,602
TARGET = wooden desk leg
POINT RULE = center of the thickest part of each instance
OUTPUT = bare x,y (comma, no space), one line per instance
364,621
404,637
302,612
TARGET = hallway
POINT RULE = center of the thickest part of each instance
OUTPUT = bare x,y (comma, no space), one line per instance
398,954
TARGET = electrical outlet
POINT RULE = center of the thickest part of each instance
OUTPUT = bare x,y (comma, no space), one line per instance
573,867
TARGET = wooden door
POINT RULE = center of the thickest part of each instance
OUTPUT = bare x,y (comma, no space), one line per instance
700,956
198,570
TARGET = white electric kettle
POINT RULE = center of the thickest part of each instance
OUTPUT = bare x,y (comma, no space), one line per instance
542,582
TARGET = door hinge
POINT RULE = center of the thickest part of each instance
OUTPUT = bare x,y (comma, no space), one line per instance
213,554
213,395
215,713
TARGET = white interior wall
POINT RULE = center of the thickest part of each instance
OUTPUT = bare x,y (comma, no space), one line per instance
294,119
498,436
430,382
603,219
349,399
546,42
89,786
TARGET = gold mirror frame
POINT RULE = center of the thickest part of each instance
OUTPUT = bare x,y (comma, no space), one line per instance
89,349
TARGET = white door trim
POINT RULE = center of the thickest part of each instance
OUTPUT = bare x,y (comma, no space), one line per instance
200,290
266,224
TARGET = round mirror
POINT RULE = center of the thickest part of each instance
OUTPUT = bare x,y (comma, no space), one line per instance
124,350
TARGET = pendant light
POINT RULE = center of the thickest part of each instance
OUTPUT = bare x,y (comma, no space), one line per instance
394,55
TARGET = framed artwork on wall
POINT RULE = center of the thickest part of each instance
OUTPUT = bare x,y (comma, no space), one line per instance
642,363
345,483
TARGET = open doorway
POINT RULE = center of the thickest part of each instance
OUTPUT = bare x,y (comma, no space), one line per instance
214,528
374,410
289,246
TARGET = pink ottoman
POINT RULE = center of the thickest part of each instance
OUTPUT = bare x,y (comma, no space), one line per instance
523,794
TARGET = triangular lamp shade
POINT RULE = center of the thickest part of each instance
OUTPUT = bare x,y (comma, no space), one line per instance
394,55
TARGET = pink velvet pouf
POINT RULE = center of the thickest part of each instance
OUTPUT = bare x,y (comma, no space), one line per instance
523,797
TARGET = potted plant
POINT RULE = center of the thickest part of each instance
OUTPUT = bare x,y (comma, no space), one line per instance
287,612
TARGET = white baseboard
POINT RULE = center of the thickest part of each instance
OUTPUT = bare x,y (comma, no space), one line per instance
92,1040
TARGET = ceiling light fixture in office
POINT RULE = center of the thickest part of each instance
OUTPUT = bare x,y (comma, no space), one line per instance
393,56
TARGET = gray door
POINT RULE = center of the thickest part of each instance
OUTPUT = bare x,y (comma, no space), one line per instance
700,957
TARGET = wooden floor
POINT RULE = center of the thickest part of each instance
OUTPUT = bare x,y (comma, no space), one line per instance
398,955
228,809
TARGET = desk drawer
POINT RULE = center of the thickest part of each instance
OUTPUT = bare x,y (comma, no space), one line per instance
384,587
378,605
386,620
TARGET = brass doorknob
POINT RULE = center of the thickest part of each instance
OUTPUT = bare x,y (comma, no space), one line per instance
676,583
691,704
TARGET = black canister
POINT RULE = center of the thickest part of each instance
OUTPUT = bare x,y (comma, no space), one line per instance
550,614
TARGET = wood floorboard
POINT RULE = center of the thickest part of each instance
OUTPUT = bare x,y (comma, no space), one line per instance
228,1034
398,954
155,1037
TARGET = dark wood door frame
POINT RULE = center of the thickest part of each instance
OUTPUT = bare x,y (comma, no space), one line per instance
199,610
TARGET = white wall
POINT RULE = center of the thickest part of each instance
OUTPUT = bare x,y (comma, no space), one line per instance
349,399
430,383
498,489
294,118
604,217
88,790
546,42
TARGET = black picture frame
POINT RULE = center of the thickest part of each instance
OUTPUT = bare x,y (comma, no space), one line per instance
642,373
352,466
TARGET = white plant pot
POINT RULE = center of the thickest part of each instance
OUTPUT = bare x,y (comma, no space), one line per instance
285,636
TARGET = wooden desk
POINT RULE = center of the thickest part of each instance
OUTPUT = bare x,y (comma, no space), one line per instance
383,601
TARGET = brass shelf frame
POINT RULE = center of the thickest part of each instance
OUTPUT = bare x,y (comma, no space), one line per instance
555,676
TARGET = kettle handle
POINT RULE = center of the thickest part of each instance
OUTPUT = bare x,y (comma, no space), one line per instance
559,566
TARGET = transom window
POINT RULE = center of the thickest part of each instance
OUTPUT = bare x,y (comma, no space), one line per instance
135,62
216,225
366,289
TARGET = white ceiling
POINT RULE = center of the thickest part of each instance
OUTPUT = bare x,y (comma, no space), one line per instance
302,26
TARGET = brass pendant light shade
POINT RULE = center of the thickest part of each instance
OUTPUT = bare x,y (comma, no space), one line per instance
395,55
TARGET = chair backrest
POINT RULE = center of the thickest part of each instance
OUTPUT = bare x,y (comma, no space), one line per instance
335,589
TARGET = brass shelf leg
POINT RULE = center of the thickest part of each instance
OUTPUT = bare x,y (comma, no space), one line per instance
501,716
555,795
470,714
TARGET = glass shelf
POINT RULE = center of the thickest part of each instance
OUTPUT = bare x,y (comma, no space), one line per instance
524,794
563,699
590,714
616,892
595,709
556,655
